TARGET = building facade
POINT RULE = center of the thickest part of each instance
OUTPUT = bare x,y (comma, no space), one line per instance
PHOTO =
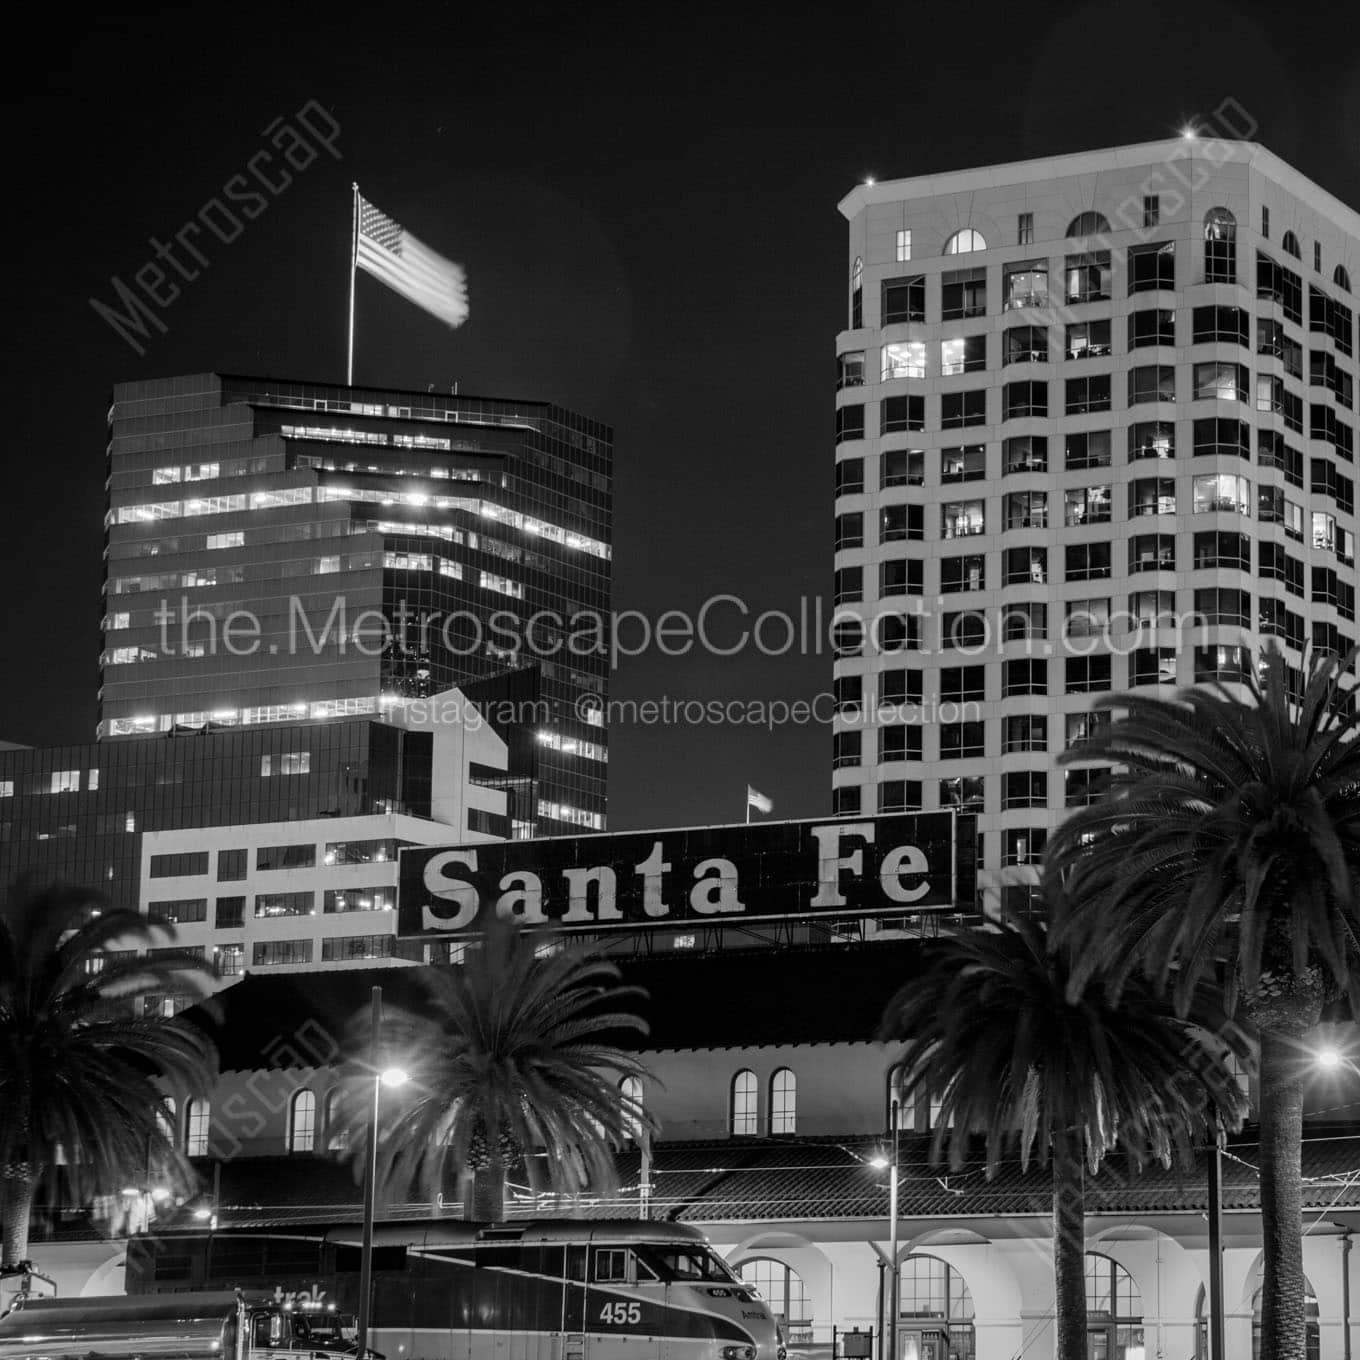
772,1099
1095,430
281,552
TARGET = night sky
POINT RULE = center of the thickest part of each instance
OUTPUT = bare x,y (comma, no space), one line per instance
645,202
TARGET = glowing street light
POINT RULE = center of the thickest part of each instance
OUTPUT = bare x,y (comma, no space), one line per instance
395,1076
1328,1059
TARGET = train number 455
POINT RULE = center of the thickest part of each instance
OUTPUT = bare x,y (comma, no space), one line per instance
621,1314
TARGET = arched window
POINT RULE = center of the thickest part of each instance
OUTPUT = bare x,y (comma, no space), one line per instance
1088,224
1290,242
743,1118
931,1288
1341,278
1220,246
196,1115
165,1120
630,1101
782,1288
302,1122
964,242
784,1101
337,1132
857,294
893,1103
1114,1307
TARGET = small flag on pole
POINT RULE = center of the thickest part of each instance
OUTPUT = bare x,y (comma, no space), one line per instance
758,800
389,252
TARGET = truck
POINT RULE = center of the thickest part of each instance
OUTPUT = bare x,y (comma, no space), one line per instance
201,1325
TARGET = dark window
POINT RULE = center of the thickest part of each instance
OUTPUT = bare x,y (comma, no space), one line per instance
963,684
1025,510
1275,620
1152,382
1025,345
847,637
1025,566
849,423
229,912
898,632
1275,283
849,478
1023,845
1152,496
1024,789
1218,607
1088,394
1156,326
958,409
967,463
1152,267
850,369
898,687
1087,276
845,749
963,293
961,741
1024,229
902,741
849,585
1274,563
1025,453
1152,210
901,413
903,300
1023,675
901,522
1220,325
850,530
846,801
1086,561
903,467
1152,666
1087,674
1222,550
1085,786
899,795
232,865
963,628
1152,552
179,865
179,910
1273,452
285,856
1274,342
963,573
964,794
1232,664
1024,732
1024,622
1020,399
901,577
1089,449
847,692
1222,438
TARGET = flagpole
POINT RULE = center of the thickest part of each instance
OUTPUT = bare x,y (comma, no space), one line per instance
353,269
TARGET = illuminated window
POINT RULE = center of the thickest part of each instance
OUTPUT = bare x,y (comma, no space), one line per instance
783,1101
196,1118
630,1100
906,359
1114,1308
903,243
964,242
64,781
235,539
302,1122
743,1116
783,1290
1220,246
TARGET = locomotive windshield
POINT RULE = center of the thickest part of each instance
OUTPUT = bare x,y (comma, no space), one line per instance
691,1263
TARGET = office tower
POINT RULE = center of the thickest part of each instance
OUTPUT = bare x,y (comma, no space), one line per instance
1095,430
282,552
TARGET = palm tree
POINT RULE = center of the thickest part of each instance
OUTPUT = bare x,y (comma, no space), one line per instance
79,1069
509,1055
1229,848
991,1031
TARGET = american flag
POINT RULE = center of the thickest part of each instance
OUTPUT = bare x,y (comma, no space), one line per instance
389,252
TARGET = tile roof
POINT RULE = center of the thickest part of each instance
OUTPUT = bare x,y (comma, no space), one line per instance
809,1179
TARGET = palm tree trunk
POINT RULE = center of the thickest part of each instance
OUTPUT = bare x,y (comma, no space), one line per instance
1069,1257
16,1204
1282,1288
488,1192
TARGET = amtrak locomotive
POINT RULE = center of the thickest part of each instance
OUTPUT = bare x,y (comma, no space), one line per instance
448,1290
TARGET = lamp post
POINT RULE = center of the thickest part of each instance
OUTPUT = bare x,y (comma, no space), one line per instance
889,1163
1215,1177
393,1077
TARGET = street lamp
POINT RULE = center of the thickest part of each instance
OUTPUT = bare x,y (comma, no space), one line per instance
392,1078
888,1162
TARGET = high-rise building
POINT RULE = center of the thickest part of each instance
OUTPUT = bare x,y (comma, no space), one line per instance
1095,430
284,552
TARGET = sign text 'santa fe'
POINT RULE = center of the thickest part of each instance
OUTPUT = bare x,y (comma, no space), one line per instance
703,874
